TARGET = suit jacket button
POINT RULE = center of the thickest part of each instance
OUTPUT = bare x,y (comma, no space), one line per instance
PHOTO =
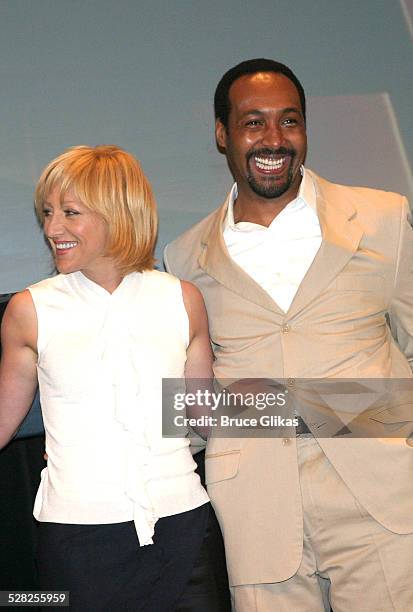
286,441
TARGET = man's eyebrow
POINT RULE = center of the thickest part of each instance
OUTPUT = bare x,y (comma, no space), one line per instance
292,109
258,111
253,111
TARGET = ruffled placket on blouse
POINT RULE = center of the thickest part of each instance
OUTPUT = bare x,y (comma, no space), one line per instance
121,363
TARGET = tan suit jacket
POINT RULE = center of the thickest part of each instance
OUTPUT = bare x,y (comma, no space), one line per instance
337,326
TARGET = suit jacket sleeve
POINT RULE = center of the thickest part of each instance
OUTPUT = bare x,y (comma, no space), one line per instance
167,261
401,308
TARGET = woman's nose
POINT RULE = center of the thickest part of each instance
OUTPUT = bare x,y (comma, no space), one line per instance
53,226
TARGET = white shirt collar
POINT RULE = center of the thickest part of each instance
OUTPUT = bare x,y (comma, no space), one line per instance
306,197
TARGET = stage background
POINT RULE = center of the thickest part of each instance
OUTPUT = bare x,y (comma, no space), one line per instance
142,74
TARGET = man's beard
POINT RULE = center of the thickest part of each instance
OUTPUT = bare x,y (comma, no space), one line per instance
267,187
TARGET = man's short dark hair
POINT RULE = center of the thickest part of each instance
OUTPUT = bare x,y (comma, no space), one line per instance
221,98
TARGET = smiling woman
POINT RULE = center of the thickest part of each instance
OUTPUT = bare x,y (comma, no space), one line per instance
78,236
98,203
120,508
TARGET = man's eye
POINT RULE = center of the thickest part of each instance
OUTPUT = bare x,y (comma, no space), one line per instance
253,123
290,121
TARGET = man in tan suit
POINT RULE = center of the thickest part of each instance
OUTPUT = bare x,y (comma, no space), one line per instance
301,279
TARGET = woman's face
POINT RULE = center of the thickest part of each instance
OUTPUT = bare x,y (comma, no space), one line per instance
78,237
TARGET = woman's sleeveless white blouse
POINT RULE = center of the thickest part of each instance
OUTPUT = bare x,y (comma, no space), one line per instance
101,360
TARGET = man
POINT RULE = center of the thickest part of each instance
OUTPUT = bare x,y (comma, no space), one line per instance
300,277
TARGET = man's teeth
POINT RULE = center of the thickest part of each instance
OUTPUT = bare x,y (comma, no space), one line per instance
65,245
266,163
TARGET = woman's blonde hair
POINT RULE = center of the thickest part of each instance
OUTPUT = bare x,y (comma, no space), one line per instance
110,182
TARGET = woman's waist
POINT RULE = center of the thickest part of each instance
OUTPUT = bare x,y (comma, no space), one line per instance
91,498
116,465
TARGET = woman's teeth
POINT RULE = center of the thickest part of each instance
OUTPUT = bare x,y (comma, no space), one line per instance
65,245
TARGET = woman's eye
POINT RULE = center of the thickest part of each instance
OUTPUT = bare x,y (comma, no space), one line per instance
71,213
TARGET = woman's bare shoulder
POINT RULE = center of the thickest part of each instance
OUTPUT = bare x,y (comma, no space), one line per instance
20,320
192,295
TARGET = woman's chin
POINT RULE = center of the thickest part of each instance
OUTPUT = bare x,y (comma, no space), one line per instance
63,268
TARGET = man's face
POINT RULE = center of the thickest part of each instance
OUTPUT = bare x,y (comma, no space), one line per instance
265,141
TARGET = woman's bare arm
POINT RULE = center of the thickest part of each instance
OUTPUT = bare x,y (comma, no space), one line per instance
198,367
18,376
199,353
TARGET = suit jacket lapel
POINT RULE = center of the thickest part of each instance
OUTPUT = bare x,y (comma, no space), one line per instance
216,262
341,235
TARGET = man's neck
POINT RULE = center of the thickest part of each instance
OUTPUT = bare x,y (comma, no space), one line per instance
253,208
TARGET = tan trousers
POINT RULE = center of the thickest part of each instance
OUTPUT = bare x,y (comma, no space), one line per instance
349,559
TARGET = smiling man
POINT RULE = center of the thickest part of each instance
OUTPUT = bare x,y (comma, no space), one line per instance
301,278
265,144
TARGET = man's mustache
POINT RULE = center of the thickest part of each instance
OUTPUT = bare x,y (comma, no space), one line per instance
267,152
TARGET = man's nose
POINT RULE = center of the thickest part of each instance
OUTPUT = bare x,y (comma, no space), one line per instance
273,135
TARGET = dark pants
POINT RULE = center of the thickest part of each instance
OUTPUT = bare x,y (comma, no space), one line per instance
207,590
105,569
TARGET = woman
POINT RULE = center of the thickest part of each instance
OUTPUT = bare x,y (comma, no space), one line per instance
121,512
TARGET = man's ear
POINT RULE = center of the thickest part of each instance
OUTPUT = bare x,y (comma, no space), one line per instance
221,136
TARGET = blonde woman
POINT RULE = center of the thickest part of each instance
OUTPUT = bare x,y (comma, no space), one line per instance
121,512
